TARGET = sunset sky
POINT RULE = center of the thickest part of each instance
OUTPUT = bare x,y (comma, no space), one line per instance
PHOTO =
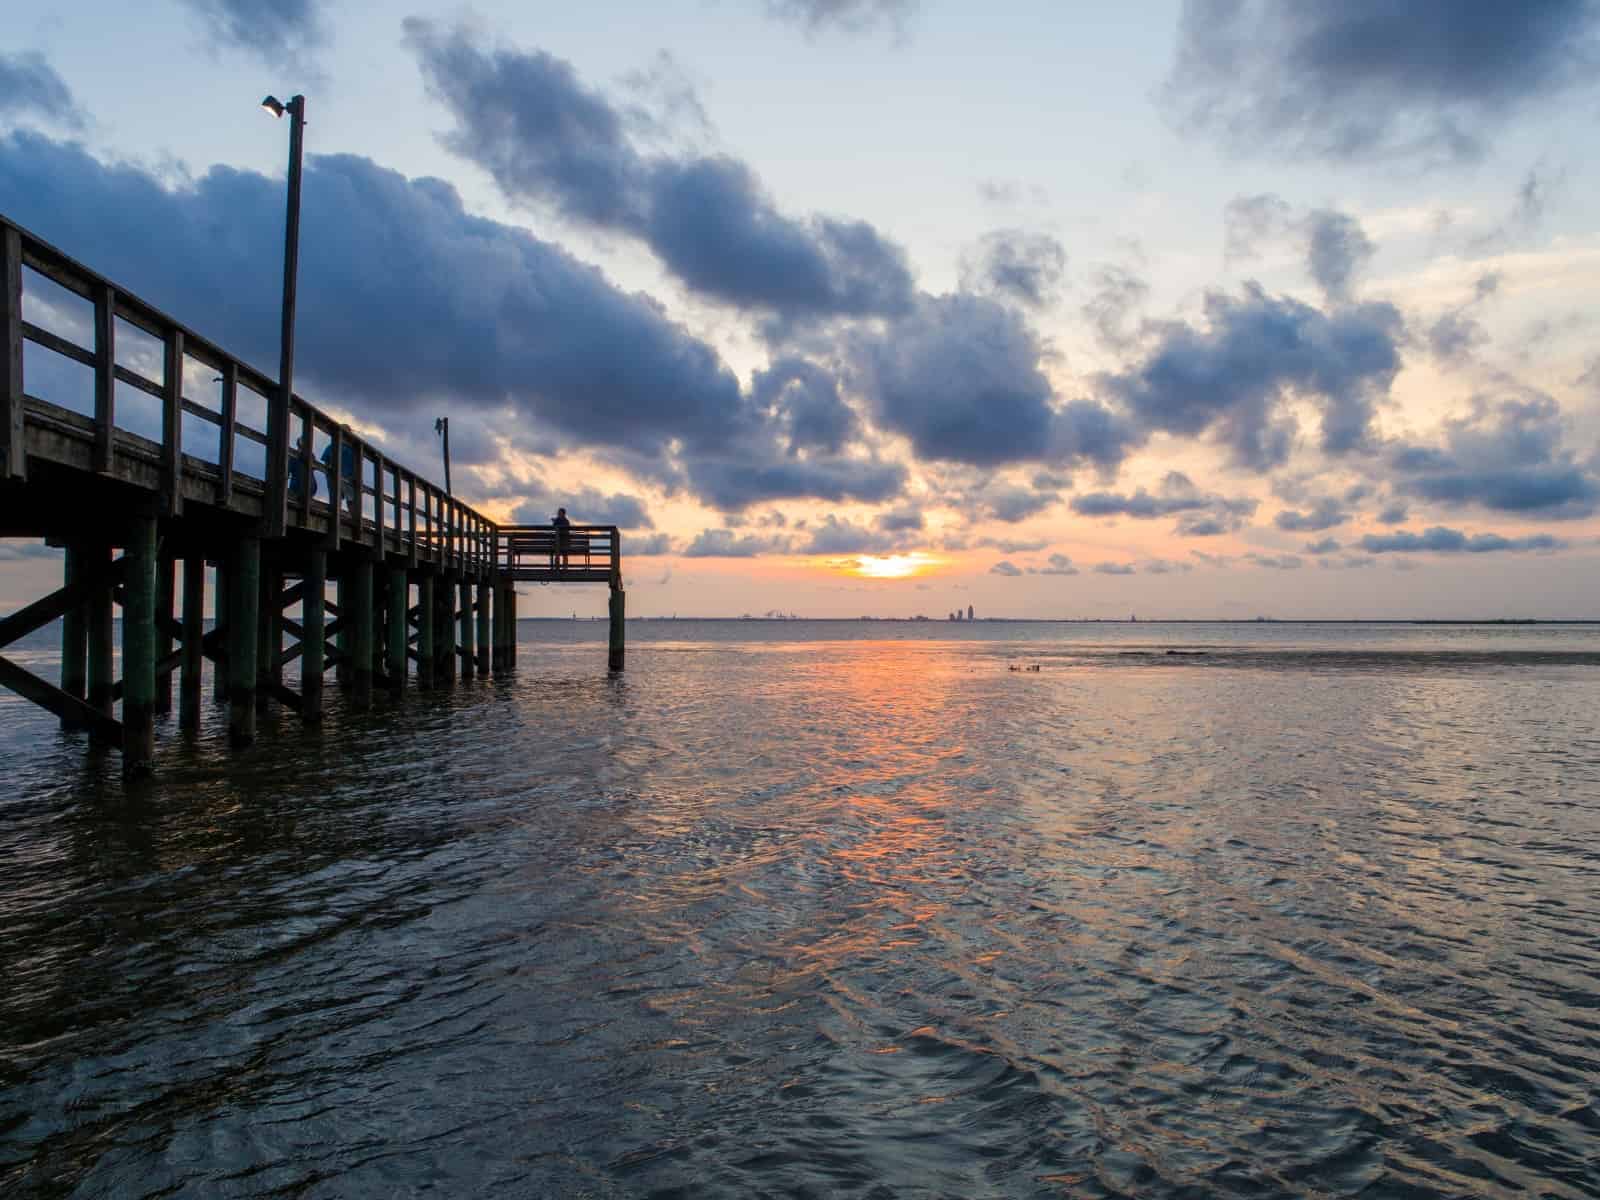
840,307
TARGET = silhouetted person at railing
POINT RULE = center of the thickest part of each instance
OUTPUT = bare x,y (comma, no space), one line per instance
297,470
347,471
563,539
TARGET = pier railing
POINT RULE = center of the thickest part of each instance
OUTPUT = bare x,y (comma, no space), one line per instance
593,554
146,419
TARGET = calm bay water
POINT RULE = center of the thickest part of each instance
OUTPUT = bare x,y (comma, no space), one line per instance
832,909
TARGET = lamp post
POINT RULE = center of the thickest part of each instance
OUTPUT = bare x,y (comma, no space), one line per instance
442,427
278,412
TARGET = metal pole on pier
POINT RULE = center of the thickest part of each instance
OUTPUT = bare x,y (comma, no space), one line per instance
278,411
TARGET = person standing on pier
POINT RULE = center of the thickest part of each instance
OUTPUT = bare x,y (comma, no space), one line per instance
563,539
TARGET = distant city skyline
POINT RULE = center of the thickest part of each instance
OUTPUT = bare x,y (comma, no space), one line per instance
1204,309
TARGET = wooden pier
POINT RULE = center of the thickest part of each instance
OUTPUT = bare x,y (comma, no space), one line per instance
423,585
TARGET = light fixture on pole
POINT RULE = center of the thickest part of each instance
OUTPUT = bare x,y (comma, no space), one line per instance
441,426
278,410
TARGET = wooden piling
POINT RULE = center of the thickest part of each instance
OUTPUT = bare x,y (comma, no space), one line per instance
341,641
468,630
444,612
399,598
75,629
269,664
102,646
314,634
427,655
618,612
194,599
139,643
221,592
359,595
244,581
485,636
164,600
511,626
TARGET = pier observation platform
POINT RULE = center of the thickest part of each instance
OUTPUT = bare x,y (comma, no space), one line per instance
189,455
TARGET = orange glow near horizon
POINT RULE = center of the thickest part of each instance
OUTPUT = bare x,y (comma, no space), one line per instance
892,566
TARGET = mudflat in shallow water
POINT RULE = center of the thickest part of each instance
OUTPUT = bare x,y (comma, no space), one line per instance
833,910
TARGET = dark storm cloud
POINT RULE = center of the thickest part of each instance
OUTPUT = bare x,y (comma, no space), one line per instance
405,300
1371,79
1336,249
544,137
1324,514
29,86
1013,264
278,32
1508,457
846,16
1212,514
960,378
1440,540
1232,378
803,399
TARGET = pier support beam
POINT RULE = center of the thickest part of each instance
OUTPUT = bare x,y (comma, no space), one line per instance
313,635
399,628
361,613
139,643
511,626
244,599
427,655
102,644
485,636
341,643
469,660
194,599
75,629
618,614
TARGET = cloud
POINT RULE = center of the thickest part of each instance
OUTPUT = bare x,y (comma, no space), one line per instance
960,377
846,16
1276,562
1011,545
1010,503
802,398
1455,335
723,543
1205,514
1323,546
1440,540
279,33
1059,564
1250,221
1162,566
833,536
1011,264
585,506
651,545
29,86
1336,250
1394,514
1234,376
1118,294
1324,514
900,520
1112,568
1507,457
1005,568
1371,79
546,139
733,479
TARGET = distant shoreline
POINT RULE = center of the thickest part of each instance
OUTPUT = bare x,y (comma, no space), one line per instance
1112,620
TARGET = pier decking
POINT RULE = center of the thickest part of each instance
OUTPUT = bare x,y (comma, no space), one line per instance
423,582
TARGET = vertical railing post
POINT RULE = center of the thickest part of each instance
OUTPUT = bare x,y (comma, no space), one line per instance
139,650
172,425
226,438
335,490
105,376
14,450
194,599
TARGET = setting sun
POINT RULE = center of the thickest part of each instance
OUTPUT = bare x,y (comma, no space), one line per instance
892,566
